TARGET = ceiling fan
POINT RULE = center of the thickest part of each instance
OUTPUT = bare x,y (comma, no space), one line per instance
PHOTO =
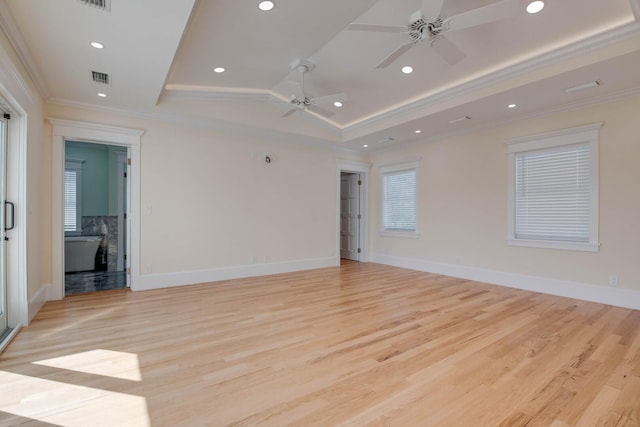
301,102
429,24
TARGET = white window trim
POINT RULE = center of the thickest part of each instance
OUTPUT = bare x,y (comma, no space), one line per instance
579,135
76,164
397,167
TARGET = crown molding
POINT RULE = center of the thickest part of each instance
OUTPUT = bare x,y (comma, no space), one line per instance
213,93
9,27
212,124
417,107
572,106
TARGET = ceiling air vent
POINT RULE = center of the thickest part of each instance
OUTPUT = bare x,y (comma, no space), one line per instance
98,4
102,78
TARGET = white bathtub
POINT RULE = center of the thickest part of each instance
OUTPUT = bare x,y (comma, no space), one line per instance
80,252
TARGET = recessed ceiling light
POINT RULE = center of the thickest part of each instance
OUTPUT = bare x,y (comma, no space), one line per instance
418,131
407,69
512,105
535,6
337,104
97,45
366,146
219,70
266,5
102,95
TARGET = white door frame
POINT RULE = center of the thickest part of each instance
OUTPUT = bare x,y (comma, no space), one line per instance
4,136
121,157
16,191
64,130
349,178
362,169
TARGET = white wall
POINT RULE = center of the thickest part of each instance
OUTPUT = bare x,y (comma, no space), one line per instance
463,205
210,202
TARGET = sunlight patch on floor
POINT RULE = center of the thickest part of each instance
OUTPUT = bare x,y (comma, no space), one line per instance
68,404
108,363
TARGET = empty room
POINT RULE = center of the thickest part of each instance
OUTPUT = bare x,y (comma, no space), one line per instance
320,213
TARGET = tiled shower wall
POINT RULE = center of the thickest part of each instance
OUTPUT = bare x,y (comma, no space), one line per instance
108,226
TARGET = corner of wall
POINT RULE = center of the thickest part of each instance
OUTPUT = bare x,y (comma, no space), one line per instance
37,300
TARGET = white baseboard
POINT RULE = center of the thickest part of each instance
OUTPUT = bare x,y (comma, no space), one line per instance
157,281
619,297
37,301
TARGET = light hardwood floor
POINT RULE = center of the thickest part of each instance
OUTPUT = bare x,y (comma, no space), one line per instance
362,344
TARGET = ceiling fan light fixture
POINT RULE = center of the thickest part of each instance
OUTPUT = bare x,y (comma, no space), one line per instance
407,69
535,6
266,6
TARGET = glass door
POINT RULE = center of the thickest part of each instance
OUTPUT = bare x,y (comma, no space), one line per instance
7,209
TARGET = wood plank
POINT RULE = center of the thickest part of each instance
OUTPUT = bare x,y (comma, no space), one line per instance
360,344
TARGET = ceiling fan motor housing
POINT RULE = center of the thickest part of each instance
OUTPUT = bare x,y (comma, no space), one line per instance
421,28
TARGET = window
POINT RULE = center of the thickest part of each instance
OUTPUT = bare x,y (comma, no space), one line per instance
399,206
553,190
72,197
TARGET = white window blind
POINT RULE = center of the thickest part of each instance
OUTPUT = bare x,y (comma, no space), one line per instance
552,199
72,196
553,189
399,201
70,200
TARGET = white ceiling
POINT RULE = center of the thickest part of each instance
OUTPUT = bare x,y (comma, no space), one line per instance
161,54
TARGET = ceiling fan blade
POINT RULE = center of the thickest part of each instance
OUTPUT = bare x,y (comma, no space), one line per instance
320,111
431,9
395,55
447,50
290,112
377,28
329,99
483,15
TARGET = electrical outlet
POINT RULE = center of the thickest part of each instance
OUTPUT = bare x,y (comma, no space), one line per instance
148,269
254,259
613,280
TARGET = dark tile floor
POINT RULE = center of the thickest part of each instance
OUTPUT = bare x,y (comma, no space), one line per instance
92,281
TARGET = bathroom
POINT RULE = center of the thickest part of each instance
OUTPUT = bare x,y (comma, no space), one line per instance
95,205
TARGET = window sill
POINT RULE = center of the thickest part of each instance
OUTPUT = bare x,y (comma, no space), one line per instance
390,233
550,244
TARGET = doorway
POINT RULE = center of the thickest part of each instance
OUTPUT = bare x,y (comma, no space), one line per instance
352,210
94,217
350,215
14,304
67,130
